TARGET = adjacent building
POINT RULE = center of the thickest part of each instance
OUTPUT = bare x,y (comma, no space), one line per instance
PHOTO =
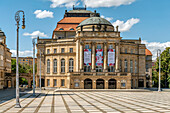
26,60
5,60
87,52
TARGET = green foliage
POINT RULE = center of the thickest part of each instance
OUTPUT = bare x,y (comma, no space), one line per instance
23,81
165,69
22,68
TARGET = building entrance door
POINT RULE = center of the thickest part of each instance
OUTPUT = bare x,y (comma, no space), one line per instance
87,84
112,84
99,84
42,83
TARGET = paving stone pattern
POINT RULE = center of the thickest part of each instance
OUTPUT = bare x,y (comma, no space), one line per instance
90,102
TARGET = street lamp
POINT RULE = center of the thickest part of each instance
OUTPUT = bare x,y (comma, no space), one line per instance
33,42
17,19
159,87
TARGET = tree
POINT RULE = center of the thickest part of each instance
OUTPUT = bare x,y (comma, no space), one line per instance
165,68
22,69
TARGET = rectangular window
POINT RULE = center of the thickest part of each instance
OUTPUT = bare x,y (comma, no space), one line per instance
136,67
62,50
126,66
76,84
55,82
125,51
86,46
131,66
111,69
71,50
48,82
62,66
55,50
87,68
62,82
99,69
110,46
131,51
48,51
99,46
147,68
123,85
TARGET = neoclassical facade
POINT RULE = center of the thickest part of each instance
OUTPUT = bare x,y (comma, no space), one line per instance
87,52
5,60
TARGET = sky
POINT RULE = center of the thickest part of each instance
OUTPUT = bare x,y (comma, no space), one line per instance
148,19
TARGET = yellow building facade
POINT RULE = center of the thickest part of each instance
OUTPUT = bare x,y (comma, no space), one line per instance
87,52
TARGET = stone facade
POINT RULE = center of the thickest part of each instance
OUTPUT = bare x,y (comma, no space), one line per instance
5,60
63,63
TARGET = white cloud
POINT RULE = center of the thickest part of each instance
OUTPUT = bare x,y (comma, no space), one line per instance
107,3
26,53
35,34
64,3
126,26
43,14
107,18
154,46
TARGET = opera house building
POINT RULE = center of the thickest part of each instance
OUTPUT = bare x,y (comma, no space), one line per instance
87,52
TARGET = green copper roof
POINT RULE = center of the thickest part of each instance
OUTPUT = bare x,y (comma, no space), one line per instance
95,21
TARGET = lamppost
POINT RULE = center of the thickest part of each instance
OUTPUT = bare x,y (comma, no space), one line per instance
159,87
17,19
33,42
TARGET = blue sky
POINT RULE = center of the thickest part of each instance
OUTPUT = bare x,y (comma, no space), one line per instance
148,19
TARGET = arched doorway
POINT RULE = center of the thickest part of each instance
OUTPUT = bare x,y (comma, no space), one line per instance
87,83
112,84
99,84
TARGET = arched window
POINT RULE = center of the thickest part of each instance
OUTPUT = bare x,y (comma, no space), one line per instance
48,66
71,65
71,29
126,66
62,65
61,29
55,66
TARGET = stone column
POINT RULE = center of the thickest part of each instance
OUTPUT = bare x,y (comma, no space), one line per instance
93,57
105,57
81,56
117,58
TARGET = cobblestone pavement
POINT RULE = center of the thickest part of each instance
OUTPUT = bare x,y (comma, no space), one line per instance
90,102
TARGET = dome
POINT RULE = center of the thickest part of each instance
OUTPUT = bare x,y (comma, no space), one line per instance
95,21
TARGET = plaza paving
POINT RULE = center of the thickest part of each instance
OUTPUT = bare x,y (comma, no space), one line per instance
92,102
